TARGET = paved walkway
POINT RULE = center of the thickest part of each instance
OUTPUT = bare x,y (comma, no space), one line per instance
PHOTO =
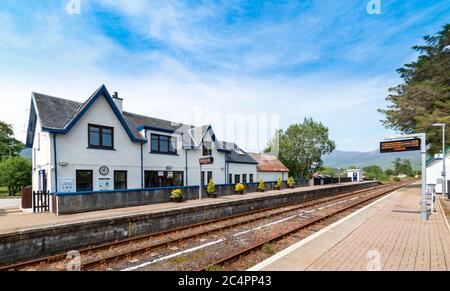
22,221
387,235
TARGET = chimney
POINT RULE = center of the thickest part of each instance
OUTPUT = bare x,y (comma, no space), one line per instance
118,101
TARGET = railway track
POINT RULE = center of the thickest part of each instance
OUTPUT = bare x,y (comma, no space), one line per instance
259,245
165,239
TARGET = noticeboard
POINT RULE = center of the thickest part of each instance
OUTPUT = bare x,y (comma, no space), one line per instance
397,146
206,160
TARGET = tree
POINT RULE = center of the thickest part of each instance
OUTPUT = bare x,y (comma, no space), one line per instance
389,172
403,167
424,96
374,172
9,146
301,145
15,172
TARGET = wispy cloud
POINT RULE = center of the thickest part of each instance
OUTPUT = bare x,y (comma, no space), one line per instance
326,59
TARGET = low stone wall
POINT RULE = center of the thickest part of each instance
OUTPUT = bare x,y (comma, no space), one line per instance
68,203
30,244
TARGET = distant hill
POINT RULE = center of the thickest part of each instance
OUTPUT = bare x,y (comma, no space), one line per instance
26,153
344,159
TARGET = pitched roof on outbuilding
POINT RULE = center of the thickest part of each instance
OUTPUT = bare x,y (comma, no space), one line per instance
268,163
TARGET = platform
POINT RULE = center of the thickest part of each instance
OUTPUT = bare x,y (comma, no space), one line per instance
24,236
21,221
386,235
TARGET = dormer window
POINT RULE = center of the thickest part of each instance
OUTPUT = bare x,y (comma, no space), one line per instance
100,137
207,149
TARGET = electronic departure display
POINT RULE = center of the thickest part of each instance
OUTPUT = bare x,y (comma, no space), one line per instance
396,146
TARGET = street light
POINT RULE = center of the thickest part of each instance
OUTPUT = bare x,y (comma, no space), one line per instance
443,174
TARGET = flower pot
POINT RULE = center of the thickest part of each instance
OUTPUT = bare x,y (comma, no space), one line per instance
176,199
212,195
238,192
277,188
259,190
291,187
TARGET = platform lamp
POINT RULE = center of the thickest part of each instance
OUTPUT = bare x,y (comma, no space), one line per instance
443,174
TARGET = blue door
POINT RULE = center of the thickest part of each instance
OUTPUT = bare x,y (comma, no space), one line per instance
355,176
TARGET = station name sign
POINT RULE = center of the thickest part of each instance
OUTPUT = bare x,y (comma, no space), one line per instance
396,146
206,160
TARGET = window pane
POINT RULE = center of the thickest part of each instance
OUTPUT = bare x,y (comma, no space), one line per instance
151,179
84,180
107,131
178,178
94,137
173,145
164,145
107,139
120,180
154,143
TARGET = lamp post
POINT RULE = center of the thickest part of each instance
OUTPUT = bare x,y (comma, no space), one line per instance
443,174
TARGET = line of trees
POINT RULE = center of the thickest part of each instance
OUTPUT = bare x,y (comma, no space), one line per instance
15,171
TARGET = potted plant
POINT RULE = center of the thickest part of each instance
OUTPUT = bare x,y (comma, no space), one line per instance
261,186
211,189
291,182
239,188
278,184
176,196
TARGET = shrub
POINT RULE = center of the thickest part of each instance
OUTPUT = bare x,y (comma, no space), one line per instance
239,187
211,187
261,185
397,179
279,182
177,194
15,173
291,182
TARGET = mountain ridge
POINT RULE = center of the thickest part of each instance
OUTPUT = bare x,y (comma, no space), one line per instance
345,159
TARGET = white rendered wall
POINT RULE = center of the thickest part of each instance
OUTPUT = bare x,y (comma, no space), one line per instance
72,148
434,171
272,176
239,169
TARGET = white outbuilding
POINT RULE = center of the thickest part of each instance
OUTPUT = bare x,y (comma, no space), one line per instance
357,175
434,171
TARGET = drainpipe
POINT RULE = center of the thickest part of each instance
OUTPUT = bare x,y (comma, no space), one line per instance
142,166
186,166
56,162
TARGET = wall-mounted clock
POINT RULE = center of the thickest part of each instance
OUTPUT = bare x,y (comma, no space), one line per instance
103,170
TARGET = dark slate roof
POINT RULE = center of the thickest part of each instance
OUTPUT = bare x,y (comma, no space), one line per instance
55,112
235,153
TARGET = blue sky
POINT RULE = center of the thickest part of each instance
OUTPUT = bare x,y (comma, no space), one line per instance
178,60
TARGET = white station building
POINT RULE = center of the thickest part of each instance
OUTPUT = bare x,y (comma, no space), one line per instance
95,145
434,170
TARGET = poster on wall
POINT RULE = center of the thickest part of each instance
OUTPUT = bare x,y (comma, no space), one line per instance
104,183
66,184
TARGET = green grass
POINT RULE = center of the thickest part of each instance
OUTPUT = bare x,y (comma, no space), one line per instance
215,268
268,249
4,193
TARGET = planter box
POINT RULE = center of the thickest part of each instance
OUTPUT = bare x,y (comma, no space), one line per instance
212,195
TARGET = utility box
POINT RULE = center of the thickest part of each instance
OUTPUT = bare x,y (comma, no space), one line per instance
357,175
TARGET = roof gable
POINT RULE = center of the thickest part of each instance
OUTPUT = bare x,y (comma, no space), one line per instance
61,115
